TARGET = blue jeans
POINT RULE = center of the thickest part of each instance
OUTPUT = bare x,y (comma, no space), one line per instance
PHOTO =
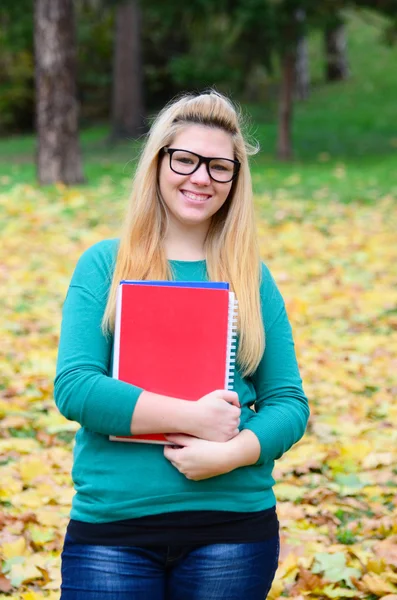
214,572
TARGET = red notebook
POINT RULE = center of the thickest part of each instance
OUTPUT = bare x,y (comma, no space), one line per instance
175,339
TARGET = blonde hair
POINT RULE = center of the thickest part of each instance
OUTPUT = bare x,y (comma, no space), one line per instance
231,244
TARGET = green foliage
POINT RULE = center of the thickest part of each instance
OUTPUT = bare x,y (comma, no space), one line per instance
232,44
345,148
211,56
95,31
16,25
16,65
345,536
16,91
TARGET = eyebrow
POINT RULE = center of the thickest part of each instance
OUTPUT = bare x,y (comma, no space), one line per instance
198,154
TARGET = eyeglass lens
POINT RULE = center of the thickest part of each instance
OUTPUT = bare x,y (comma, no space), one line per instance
184,162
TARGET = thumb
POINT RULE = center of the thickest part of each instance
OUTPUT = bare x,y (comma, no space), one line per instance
171,453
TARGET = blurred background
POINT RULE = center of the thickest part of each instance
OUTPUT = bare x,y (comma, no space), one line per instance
317,82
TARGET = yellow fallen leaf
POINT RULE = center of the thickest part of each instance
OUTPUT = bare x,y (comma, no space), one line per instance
30,468
376,566
52,595
376,585
376,459
357,450
13,549
46,491
65,495
23,573
23,445
372,491
31,595
49,518
337,592
28,499
276,589
9,487
55,583
41,535
285,491
290,563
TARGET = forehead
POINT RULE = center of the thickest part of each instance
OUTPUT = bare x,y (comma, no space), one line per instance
208,141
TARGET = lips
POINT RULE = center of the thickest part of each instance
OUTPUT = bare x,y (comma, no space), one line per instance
194,196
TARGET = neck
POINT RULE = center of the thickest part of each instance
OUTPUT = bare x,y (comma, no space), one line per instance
185,243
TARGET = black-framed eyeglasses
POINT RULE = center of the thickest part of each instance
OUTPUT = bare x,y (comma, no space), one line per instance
184,162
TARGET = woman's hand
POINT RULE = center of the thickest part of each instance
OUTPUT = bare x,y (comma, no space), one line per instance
198,459
215,416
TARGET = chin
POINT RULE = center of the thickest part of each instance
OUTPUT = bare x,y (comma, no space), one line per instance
189,219
192,222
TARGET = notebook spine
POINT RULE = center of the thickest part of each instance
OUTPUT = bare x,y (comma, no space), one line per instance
117,328
231,342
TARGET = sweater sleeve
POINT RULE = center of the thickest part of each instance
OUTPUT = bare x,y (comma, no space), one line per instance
281,407
83,390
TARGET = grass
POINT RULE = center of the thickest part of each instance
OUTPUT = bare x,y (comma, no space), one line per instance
345,134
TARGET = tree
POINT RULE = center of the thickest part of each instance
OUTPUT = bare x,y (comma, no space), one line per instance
302,72
58,152
336,63
127,97
290,21
285,105
16,66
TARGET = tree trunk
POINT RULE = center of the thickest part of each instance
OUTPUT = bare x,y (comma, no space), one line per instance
337,67
127,101
302,72
284,144
58,150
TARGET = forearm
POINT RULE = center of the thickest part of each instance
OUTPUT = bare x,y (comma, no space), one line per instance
242,451
281,406
96,401
154,413
84,391
279,423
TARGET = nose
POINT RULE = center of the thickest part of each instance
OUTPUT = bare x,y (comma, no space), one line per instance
201,176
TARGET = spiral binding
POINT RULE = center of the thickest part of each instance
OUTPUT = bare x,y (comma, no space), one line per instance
231,341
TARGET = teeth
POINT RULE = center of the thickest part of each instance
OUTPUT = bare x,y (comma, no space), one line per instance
194,196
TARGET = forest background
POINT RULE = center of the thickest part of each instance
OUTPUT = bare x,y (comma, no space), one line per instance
319,91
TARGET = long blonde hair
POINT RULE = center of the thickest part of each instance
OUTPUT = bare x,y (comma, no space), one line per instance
231,244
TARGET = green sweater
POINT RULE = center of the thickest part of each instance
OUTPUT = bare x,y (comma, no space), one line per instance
114,480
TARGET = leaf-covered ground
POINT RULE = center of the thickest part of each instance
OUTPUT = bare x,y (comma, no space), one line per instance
337,489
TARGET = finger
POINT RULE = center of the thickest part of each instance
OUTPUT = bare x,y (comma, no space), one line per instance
231,397
169,453
179,439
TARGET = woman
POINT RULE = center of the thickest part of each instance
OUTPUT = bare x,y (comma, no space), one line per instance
195,520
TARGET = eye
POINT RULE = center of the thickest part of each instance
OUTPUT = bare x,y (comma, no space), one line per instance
185,160
222,167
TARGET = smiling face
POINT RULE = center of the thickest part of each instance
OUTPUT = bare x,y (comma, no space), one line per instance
193,199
